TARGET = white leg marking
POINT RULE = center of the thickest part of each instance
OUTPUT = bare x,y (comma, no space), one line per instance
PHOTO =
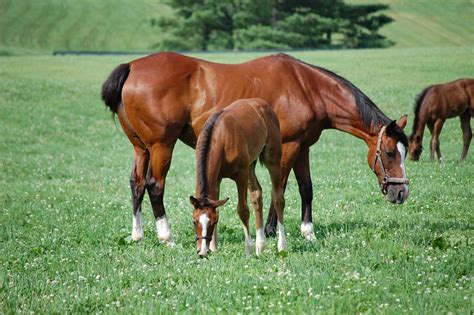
137,230
307,231
163,230
401,149
281,237
203,220
248,241
213,244
260,242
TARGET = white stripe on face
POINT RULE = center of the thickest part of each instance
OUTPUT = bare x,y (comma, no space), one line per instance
203,220
402,150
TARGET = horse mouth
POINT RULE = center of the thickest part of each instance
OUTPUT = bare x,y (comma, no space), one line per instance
397,195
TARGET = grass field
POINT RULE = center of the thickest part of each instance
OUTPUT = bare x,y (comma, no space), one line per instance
65,217
41,26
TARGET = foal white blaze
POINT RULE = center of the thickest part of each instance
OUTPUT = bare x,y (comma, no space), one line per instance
203,220
137,230
163,230
402,150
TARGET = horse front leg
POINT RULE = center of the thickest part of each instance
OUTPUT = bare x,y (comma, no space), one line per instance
305,185
434,145
160,161
255,192
137,186
466,133
243,209
290,151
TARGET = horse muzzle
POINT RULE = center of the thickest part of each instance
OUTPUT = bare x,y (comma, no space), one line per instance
397,193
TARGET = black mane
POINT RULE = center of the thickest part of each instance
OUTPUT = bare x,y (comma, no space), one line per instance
202,149
419,100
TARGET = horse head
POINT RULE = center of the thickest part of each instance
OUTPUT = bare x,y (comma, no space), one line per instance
386,157
205,217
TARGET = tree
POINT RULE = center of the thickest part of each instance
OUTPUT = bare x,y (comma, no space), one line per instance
275,24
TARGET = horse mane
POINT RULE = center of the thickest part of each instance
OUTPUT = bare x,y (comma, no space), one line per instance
370,114
419,100
202,150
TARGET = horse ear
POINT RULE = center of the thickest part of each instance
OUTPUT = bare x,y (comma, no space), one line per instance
219,203
402,122
193,201
391,127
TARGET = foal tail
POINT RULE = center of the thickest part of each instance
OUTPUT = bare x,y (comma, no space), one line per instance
419,100
112,87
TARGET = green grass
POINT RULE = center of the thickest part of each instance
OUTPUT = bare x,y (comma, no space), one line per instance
32,27
428,23
65,215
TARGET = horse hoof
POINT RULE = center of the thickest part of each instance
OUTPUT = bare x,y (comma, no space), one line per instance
307,231
137,236
270,231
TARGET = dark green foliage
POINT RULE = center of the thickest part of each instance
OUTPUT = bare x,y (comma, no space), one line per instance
271,24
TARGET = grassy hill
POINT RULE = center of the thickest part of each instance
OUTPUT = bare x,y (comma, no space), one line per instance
41,26
432,23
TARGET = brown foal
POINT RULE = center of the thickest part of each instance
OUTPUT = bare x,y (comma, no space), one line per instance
434,105
229,145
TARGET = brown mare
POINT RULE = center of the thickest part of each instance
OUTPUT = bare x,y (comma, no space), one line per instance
229,145
167,96
434,105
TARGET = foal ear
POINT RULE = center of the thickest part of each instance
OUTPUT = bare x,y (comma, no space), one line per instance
193,201
402,122
391,128
219,203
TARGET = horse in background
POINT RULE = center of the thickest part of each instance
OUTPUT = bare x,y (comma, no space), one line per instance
229,145
434,105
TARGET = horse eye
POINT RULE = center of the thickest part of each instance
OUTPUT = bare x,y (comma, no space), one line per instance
390,153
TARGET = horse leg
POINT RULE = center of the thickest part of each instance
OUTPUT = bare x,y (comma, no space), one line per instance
466,133
137,186
290,151
255,192
434,146
213,243
303,177
160,160
242,208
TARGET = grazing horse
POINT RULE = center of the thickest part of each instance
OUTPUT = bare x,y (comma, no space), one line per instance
167,96
434,105
228,146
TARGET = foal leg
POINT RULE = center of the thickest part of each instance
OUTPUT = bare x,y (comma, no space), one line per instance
255,191
303,177
278,201
434,146
466,133
213,243
137,186
290,151
243,210
160,160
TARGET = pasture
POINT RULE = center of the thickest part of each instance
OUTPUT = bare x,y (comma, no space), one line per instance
66,217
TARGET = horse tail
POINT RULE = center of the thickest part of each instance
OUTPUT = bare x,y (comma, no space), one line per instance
112,87
202,150
419,100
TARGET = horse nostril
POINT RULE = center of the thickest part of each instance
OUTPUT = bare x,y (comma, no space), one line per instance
400,196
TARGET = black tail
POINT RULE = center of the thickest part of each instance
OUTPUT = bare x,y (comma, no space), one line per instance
419,101
112,87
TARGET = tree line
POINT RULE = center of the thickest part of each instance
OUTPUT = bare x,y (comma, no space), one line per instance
271,24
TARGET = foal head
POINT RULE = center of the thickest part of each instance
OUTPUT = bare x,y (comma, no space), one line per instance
414,147
205,217
387,160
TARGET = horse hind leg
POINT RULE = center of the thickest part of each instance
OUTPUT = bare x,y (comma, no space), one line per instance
467,133
137,186
243,210
160,161
255,192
